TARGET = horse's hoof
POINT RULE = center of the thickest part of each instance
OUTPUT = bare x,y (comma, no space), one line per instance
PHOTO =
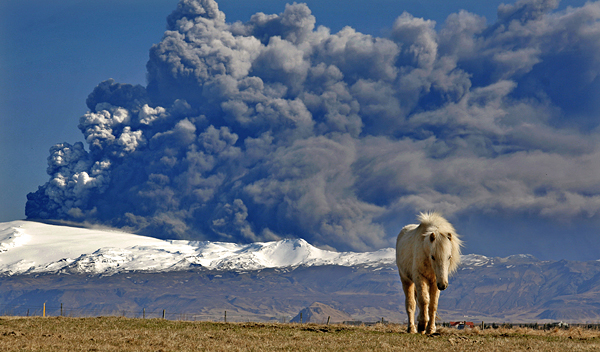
411,329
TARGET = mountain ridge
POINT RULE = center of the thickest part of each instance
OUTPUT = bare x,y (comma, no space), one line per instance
31,247
269,280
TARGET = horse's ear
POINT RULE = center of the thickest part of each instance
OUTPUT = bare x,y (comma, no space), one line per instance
432,237
450,236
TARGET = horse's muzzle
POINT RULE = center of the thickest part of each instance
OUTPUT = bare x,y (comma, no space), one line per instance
442,287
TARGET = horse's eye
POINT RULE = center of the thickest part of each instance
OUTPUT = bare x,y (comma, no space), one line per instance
432,257
450,257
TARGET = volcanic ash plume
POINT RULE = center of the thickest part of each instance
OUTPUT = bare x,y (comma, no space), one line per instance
275,128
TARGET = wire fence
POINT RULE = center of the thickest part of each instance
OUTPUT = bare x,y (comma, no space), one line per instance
145,313
229,316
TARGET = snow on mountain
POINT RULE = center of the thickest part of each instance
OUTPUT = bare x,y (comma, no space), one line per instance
33,247
471,260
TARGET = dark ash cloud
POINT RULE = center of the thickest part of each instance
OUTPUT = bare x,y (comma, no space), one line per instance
276,128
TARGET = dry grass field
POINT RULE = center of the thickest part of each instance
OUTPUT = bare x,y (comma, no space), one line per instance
125,334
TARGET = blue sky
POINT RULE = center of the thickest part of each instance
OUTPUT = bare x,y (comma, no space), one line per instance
53,55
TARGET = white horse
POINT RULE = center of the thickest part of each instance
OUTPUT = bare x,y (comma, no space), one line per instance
426,254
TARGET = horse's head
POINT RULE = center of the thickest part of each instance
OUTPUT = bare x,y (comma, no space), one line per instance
444,255
443,246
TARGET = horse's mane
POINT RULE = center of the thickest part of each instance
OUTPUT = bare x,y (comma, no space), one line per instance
434,222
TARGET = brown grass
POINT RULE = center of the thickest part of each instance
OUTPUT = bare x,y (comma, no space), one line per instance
124,334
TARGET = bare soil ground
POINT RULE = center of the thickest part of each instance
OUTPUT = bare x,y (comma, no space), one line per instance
126,334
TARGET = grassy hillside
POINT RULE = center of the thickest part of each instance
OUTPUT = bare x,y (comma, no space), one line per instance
125,334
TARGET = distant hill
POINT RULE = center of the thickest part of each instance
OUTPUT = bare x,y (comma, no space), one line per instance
321,313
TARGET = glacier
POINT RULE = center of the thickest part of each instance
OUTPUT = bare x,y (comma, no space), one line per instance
33,247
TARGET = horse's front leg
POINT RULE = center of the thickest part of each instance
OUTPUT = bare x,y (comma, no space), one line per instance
423,302
434,295
410,304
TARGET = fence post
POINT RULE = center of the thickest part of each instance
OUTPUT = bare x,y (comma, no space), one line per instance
225,316
27,311
61,310
163,313
300,317
328,317
144,313
44,310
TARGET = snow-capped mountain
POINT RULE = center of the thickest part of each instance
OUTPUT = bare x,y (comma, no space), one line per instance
270,278
33,247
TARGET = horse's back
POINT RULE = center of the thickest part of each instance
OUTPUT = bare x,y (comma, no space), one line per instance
404,250
405,235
